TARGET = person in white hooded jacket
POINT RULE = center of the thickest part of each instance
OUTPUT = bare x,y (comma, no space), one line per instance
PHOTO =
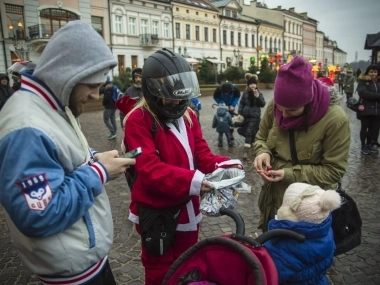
57,209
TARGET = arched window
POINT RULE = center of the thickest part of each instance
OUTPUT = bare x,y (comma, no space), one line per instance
52,19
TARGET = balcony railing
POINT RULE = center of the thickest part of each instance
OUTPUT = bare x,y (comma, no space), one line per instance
149,39
42,31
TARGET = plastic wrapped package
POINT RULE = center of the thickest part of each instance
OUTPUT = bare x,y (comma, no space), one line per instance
224,194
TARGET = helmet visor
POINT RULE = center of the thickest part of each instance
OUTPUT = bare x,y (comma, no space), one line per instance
181,86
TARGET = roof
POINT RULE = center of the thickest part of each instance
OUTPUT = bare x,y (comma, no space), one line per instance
220,3
198,3
372,40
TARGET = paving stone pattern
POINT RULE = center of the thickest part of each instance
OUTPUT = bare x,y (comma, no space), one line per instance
359,266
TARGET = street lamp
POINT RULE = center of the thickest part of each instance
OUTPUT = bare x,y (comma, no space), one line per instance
18,37
184,51
236,54
334,48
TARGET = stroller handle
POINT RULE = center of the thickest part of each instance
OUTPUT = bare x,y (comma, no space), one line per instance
280,233
240,226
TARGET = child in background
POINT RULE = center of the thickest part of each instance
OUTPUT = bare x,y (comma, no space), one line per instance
306,209
222,122
249,111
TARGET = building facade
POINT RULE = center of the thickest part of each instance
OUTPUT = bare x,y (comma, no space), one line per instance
139,28
27,25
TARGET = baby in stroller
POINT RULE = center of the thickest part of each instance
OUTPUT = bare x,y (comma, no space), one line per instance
306,209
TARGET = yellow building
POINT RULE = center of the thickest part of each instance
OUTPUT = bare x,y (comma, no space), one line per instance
196,31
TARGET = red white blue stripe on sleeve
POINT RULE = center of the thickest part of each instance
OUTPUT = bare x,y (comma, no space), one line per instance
100,171
78,279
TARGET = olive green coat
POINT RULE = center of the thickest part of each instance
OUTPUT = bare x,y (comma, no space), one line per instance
322,153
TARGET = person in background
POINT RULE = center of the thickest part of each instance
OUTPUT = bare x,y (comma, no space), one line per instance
109,113
335,96
301,112
369,97
52,183
174,161
5,89
134,91
341,81
305,209
222,122
17,69
349,82
229,94
249,111
196,106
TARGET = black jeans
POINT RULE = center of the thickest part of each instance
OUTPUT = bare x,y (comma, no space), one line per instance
369,129
104,278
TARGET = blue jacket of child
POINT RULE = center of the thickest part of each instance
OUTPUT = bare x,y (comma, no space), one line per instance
302,263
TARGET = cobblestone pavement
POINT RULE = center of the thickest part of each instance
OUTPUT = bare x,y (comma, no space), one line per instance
359,266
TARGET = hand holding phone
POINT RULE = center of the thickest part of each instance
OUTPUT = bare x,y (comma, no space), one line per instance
132,153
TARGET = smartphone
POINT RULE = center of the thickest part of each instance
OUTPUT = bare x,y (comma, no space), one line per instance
132,154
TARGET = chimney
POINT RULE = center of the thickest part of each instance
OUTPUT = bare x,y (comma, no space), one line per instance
278,7
291,10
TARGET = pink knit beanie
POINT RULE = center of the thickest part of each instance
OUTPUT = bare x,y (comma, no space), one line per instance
293,85
306,203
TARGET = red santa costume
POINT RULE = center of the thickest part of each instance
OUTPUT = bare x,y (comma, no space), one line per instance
167,175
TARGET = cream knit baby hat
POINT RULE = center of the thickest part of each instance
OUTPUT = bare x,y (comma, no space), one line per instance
306,203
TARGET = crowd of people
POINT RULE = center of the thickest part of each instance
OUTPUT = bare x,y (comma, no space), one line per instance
55,197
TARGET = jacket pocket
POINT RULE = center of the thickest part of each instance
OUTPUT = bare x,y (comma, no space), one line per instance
312,153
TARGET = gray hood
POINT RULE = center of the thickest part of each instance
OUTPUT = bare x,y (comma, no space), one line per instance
73,53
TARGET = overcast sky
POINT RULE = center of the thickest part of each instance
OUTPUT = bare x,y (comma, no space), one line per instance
345,21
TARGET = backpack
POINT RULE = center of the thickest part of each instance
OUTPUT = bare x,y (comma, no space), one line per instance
116,93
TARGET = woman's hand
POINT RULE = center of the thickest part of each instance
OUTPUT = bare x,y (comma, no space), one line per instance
206,186
261,161
272,175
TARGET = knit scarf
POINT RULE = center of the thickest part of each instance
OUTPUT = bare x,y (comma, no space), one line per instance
320,104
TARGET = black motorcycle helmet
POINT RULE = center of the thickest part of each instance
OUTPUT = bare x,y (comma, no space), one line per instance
167,75
136,71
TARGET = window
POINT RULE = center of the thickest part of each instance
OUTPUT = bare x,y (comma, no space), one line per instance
206,34
177,9
177,30
232,38
121,60
228,13
197,33
155,28
284,45
97,24
253,40
239,39
261,41
234,14
166,30
118,20
187,31
132,26
266,43
224,37
51,19
214,35
134,61
246,40
143,27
